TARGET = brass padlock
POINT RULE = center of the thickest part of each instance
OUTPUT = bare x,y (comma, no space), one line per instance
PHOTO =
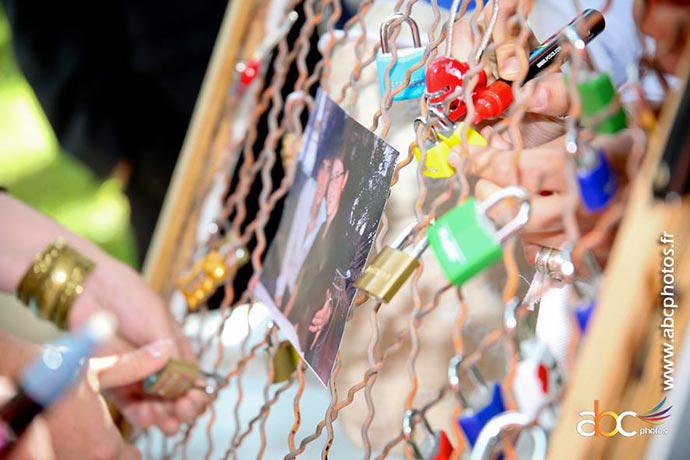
291,146
177,378
285,361
211,272
389,270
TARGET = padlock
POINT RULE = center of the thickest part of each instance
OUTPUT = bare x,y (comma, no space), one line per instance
598,184
249,70
583,314
406,59
485,402
463,240
436,165
555,263
494,433
434,446
444,78
211,272
177,378
290,148
285,361
537,380
599,106
391,268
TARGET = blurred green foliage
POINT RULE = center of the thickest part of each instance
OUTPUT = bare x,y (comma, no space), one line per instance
37,172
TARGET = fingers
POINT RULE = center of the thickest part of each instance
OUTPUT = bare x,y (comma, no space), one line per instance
536,169
547,95
129,452
35,443
463,40
506,36
131,367
162,412
546,214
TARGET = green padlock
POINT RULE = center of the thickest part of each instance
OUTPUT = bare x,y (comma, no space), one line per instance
600,109
465,241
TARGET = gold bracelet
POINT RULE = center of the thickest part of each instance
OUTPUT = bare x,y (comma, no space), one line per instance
54,281
74,286
36,274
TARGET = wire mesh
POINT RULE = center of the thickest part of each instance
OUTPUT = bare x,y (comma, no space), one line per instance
383,343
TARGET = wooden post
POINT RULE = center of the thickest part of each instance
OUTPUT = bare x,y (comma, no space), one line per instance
612,367
179,200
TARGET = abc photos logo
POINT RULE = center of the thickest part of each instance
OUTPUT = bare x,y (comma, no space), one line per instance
596,422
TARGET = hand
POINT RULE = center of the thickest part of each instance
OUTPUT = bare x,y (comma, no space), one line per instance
321,318
541,169
142,315
540,124
80,424
35,443
667,22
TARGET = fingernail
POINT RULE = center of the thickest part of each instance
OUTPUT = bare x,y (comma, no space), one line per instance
158,348
510,68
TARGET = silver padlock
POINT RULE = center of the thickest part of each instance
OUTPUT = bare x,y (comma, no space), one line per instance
434,446
487,446
538,379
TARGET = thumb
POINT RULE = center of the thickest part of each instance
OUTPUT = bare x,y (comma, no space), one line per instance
119,370
506,35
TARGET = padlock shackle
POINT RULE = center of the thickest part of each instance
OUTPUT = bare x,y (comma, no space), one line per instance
520,219
293,112
454,373
511,322
399,242
386,29
409,425
491,434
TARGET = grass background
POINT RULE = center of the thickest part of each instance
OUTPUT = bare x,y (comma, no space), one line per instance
38,172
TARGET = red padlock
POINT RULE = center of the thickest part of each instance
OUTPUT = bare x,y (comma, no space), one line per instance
443,449
445,76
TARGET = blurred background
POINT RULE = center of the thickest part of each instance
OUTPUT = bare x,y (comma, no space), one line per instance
38,172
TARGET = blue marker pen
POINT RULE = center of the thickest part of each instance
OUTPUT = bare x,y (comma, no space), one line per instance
50,376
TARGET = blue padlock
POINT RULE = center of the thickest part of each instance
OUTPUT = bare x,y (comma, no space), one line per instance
583,313
487,403
598,184
406,58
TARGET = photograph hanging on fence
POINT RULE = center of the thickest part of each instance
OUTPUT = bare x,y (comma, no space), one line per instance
331,215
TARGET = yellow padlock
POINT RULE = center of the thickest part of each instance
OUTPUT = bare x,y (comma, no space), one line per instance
436,165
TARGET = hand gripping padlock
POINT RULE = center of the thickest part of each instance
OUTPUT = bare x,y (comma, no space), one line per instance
481,406
406,59
600,110
537,379
178,377
436,164
598,184
434,446
444,80
490,439
389,270
463,240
